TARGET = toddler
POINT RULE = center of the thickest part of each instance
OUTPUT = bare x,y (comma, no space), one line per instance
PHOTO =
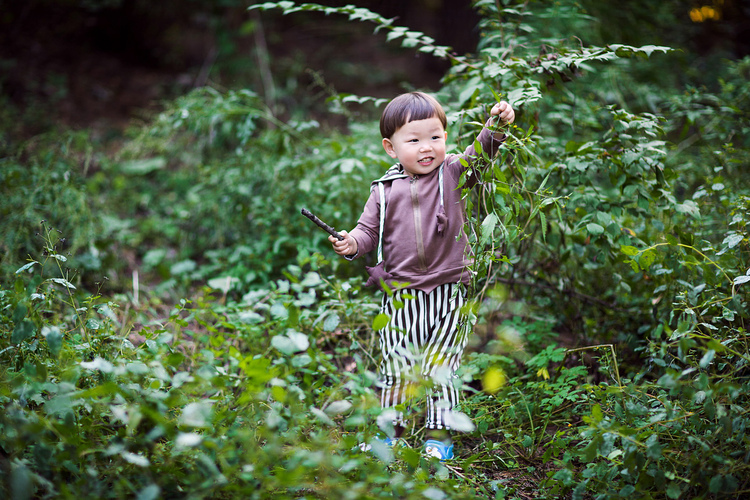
415,218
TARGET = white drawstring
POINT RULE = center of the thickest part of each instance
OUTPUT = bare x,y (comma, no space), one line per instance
381,190
382,221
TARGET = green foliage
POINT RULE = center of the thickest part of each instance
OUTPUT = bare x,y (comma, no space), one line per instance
409,38
44,181
611,270
250,400
590,212
212,188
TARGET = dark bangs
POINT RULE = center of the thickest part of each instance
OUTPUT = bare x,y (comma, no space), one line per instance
408,108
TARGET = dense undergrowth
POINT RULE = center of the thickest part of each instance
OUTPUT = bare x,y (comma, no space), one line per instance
171,327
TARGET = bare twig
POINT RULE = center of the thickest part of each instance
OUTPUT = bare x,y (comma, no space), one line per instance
321,224
261,47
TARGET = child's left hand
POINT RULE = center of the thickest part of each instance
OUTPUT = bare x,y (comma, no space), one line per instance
505,111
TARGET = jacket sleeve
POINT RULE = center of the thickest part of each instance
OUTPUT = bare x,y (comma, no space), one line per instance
490,145
367,229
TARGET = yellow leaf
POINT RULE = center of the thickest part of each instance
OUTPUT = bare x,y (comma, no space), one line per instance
493,379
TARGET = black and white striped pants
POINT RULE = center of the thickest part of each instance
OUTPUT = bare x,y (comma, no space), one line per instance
422,345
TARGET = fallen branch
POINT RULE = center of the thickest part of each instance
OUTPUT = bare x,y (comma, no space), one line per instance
321,224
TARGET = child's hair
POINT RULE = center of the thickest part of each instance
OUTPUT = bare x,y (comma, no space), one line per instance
407,108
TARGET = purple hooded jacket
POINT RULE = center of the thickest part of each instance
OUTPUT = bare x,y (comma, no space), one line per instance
424,244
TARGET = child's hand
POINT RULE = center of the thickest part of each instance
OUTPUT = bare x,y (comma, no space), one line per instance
347,246
504,111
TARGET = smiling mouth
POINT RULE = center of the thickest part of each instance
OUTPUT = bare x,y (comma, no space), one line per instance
426,161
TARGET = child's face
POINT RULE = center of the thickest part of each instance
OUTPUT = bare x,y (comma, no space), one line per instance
418,145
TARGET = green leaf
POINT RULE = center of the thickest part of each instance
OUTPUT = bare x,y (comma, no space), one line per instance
689,207
589,453
301,360
23,330
674,490
98,364
224,283
183,267
141,167
54,339
629,250
322,416
732,240
715,345
564,476
63,282
707,358
186,440
135,458
26,267
433,493
395,33
650,49
647,258
471,87
332,321
524,95
626,491
278,311
291,342
283,344
105,389
716,483
20,313
460,422
596,414
21,484
488,227
654,450
382,451
196,415
380,321
154,257
150,492
594,228
311,280
338,407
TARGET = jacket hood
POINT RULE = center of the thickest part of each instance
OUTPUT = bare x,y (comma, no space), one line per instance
395,172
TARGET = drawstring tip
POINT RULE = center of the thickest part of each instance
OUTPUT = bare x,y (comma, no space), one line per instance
442,221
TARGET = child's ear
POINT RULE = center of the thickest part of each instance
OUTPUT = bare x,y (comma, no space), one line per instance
388,146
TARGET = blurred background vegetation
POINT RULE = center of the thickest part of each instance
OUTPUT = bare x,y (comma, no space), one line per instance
98,73
159,291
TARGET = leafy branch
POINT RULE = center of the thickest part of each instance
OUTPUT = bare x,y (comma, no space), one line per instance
410,38
644,258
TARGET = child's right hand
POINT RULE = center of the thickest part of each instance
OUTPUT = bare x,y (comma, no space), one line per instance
347,246
504,111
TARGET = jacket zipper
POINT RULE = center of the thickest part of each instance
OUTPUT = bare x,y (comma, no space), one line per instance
417,223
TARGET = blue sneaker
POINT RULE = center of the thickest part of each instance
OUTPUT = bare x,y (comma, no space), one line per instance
438,449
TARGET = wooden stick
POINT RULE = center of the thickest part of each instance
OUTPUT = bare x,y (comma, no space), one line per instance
322,224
